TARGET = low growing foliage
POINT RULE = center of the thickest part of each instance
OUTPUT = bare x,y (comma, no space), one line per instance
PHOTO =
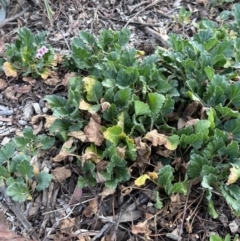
182,102
16,170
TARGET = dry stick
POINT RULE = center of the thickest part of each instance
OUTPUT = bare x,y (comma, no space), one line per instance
131,8
154,34
148,6
14,17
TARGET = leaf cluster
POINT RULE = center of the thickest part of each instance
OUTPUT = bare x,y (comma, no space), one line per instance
16,170
21,55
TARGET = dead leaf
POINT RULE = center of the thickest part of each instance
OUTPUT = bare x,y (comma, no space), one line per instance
76,197
49,119
53,80
23,89
63,152
3,84
165,153
191,122
91,156
191,108
181,123
141,227
158,139
233,176
66,225
143,154
29,80
60,174
91,209
10,93
57,59
78,135
105,105
67,77
106,192
9,70
93,132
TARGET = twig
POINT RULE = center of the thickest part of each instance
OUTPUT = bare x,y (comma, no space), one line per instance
148,6
154,33
14,17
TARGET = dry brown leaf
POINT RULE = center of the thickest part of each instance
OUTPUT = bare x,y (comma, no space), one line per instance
66,225
53,80
49,119
9,70
90,156
158,139
106,192
23,89
60,174
141,227
29,80
10,93
67,77
93,132
77,195
57,59
181,123
165,153
91,209
143,154
64,153
105,105
191,122
78,135
3,84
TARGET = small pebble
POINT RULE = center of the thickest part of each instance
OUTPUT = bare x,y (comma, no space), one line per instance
37,108
41,103
22,122
27,111
44,110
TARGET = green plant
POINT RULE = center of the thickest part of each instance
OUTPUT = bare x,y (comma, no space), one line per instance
29,54
129,96
227,238
16,170
183,16
125,96
216,3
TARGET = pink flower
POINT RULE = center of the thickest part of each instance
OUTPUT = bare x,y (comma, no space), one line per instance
43,50
38,55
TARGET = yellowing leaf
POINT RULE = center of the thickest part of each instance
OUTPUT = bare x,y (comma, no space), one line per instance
9,70
57,59
45,73
141,180
234,175
153,175
157,139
